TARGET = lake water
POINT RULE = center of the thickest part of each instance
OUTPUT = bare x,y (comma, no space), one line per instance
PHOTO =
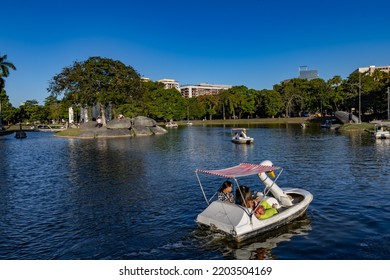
137,198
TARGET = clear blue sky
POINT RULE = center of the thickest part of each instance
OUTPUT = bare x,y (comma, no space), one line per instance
255,43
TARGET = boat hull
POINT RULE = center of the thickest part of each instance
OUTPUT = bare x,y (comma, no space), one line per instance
236,222
382,135
242,140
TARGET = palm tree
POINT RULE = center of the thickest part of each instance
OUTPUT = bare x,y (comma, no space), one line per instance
4,72
4,69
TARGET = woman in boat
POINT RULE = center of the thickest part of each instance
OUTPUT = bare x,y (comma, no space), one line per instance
225,192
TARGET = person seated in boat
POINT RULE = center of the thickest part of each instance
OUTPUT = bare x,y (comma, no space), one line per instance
248,200
240,194
261,207
265,210
225,192
243,133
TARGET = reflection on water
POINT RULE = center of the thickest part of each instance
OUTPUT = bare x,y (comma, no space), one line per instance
262,247
137,198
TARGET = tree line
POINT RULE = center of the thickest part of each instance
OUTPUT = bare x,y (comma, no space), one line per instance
110,83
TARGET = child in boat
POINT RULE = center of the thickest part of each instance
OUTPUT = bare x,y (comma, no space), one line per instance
262,208
265,210
225,192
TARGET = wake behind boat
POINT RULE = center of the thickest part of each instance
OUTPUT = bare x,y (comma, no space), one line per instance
240,136
240,222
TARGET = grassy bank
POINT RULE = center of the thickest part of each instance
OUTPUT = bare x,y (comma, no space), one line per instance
357,127
70,132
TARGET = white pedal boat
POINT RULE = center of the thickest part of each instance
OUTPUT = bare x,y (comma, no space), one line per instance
240,222
240,137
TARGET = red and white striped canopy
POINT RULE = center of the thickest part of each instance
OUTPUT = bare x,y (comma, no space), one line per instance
241,170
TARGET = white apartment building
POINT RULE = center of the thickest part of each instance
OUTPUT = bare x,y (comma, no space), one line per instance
189,91
169,83
371,69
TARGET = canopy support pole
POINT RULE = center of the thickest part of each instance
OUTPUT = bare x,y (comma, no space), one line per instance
201,187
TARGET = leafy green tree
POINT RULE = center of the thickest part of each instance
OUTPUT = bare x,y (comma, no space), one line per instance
336,95
374,102
248,104
196,109
229,102
317,91
56,109
97,81
292,93
164,104
7,112
210,104
272,102
357,82
32,112
239,101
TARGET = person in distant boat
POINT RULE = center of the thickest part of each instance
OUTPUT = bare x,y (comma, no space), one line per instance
225,192
243,133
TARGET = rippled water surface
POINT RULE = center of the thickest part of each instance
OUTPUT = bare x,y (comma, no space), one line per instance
137,198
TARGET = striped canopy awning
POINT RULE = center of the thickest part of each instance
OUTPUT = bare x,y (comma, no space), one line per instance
241,170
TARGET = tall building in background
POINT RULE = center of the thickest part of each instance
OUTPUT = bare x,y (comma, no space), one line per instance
305,73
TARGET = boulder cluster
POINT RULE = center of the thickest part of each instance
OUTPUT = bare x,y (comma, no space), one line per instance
125,127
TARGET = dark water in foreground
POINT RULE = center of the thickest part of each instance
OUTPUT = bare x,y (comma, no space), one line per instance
137,198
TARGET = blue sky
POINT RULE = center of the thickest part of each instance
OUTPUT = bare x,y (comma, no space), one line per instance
255,43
